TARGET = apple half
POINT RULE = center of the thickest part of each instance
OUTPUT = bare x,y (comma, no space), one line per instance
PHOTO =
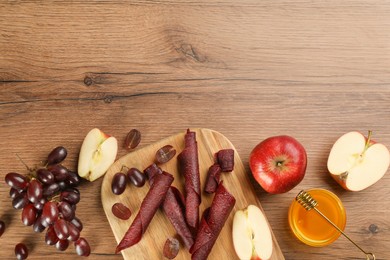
357,162
251,233
97,154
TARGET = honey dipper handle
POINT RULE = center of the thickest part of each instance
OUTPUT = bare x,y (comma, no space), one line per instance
369,256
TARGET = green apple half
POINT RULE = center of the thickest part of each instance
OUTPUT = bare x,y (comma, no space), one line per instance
97,154
357,162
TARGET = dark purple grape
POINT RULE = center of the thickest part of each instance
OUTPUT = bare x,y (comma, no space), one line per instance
66,210
136,177
118,184
132,139
70,196
57,155
82,247
45,176
20,201
2,227
29,214
39,204
60,172
74,233
62,185
73,189
51,189
34,191
13,193
50,212
62,244
51,237
73,179
21,251
38,226
61,228
121,211
77,223
16,180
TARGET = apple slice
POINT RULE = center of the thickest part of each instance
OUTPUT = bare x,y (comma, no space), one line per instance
97,153
252,237
356,162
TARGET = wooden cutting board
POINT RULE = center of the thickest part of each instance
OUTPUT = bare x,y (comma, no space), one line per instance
151,245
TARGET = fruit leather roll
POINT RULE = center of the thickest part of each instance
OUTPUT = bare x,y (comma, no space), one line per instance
212,222
189,167
149,206
213,177
173,207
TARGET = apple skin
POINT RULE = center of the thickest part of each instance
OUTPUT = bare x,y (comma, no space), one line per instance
278,163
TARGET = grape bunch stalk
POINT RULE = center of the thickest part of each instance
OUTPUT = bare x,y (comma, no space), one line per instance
48,197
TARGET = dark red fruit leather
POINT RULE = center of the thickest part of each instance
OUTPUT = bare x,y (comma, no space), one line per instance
149,206
212,222
225,159
213,177
189,167
173,207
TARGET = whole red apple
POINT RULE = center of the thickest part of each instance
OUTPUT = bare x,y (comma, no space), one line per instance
278,163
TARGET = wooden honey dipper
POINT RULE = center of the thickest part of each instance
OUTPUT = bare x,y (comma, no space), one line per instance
307,201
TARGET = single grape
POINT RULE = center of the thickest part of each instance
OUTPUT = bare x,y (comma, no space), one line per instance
50,212
118,184
62,185
132,139
2,227
61,228
38,226
121,211
20,201
45,176
66,210
34,191
82,247
165,153
57,155
136,177
13,193
77,223
21,251
60,172
29,214
171,248
62,244
74,232
51,237
70,196
16,180
51,189
39,204
73,179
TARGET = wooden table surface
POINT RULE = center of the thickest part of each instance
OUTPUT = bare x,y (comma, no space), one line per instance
248,69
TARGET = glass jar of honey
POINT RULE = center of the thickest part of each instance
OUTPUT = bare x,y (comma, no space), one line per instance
310,227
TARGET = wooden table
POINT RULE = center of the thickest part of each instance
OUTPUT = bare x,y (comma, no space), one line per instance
248,69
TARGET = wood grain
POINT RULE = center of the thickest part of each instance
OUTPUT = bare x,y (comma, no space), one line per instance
150,247
248,69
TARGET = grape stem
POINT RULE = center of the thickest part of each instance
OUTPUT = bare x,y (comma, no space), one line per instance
21,160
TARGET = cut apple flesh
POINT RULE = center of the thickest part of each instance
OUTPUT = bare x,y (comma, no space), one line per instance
97,154
355,164
252,237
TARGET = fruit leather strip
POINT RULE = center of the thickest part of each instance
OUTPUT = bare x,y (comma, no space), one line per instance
212,223
213,176
149,206
225,159
189,167
173,207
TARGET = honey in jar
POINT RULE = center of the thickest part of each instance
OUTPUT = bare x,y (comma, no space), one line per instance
310,227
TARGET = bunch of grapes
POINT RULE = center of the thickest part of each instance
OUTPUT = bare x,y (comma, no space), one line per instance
48,197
